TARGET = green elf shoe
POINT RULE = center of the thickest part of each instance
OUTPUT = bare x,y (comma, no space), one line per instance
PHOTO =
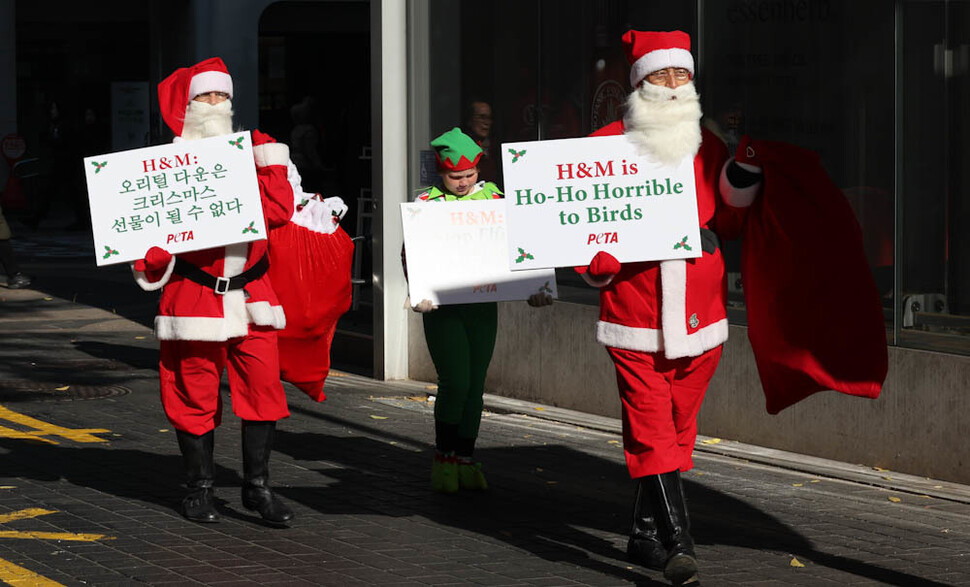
444,473
470,475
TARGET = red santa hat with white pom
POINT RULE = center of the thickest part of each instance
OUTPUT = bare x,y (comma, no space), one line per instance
177,90
650,51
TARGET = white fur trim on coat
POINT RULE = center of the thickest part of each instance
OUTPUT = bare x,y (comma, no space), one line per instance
263,314
647,340
220,329
271,154
673,338
142,280
660,59
650,340
738,197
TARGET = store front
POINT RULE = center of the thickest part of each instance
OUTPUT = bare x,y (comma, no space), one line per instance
880,89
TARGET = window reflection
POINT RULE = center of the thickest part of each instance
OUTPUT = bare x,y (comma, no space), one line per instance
805,73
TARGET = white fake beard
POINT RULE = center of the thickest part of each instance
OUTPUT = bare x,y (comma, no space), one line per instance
664,123
203,120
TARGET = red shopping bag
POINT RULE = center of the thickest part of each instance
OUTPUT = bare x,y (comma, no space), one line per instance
310,272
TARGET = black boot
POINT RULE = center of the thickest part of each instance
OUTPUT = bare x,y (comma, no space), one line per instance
199,505
645,546
681,565
257,444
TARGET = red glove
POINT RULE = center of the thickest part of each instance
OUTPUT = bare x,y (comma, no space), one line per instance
155,259
745,153
261,138
603,265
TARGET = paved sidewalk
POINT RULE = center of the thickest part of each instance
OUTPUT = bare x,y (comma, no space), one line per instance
90,482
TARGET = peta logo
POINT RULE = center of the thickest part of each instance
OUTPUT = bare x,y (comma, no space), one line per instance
602,238
180,237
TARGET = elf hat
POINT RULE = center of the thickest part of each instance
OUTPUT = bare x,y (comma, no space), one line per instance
650,51
456,151
177,90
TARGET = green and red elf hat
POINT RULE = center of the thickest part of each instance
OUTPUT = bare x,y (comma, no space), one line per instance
456,151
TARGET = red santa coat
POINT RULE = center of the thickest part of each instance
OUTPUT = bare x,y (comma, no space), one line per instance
190,311
678,306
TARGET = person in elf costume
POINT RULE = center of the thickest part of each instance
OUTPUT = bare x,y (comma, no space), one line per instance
218,310
460,337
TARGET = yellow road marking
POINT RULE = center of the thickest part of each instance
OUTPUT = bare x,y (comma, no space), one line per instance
11,574
33,513
25,514
53,536
17,434
41,428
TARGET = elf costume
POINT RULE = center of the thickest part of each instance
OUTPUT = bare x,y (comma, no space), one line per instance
218,310
461,338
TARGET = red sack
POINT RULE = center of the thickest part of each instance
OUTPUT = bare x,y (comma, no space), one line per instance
815,319
310,272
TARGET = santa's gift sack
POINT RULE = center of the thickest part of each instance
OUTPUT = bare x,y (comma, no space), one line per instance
310,272
815,318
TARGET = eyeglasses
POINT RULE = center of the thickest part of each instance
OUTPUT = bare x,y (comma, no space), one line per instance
661,76
219,95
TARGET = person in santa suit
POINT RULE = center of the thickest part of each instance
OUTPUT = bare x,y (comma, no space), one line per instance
218,310
663,322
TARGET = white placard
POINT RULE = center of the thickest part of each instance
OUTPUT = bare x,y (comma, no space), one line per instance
185,196
570,198
457,251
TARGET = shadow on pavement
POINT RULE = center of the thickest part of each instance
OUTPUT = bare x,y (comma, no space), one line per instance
49,358
569,505
136,357
557,503
72,276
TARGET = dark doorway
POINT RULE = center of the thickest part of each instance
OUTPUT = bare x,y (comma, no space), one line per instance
68,62
314,94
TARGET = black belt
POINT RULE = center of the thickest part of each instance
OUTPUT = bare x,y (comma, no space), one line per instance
221,285
709,241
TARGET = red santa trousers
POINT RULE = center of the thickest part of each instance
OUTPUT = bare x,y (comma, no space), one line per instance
190,371
661,398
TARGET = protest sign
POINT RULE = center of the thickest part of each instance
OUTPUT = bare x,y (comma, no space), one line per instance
570,198
457,251
186,196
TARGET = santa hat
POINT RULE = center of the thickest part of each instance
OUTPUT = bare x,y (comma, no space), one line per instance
456,151
177,90
650,51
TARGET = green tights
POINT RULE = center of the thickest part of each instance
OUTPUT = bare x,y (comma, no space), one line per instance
461,339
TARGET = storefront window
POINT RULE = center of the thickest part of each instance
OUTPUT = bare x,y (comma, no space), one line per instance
885,105
805,73
934,271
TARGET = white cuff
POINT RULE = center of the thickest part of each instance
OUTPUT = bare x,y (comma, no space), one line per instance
271,154
142,280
